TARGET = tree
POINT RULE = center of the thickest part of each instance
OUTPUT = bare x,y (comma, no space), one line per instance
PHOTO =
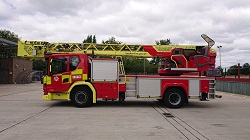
233,70
90,39
94,39
111,40
39,65
11,36
133,65
136,66
246,69
163,42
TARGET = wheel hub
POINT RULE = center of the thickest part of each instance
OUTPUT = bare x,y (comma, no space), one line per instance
174,98
81,97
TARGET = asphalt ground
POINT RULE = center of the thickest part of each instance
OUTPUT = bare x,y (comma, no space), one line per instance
25,116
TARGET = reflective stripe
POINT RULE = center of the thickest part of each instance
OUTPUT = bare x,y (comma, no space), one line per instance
47,79
66,76
78,71
56,96
87,84
174,62
84,77
186,61
47,97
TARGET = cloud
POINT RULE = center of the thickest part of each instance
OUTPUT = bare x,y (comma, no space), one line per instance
233,58
134,22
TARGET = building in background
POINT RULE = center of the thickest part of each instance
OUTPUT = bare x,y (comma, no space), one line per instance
13,69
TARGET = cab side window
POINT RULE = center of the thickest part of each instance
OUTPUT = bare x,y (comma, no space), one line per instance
58,65
74,61
177,52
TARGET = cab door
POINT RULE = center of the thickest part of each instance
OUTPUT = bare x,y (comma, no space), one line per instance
59,73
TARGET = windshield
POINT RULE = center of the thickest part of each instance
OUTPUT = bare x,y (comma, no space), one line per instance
215,72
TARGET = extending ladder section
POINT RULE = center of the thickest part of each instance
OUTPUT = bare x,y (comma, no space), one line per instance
37,49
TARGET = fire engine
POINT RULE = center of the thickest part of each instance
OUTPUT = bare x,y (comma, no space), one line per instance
77,77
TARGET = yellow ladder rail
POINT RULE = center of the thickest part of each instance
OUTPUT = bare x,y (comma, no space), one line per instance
37,49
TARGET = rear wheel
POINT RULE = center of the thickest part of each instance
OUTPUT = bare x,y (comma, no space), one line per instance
174,98
81,96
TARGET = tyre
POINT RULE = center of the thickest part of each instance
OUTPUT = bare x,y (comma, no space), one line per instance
174,98
81,96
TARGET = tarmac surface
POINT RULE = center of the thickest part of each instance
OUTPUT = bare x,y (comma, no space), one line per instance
25,116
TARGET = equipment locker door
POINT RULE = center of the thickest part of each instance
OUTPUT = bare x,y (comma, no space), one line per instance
149,87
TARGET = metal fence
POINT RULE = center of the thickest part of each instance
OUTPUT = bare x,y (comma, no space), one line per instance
238,87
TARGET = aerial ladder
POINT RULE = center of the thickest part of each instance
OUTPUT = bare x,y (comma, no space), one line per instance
174,59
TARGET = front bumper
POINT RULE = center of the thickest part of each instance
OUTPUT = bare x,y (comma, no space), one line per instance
56,96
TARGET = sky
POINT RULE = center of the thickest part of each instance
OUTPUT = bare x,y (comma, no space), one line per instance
227,22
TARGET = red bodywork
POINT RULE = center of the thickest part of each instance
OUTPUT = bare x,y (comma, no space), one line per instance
174,83
107,90
104,89
183,58
113,89
60,84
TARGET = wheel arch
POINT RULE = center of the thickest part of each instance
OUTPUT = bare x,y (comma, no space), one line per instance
85,84
174,96
175,87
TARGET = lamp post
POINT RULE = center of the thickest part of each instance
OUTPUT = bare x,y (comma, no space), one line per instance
220,54
221,70
144,69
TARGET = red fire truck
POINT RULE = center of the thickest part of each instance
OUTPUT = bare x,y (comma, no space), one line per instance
81,79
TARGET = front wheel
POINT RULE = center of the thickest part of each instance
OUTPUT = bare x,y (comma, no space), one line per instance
174,98
81,97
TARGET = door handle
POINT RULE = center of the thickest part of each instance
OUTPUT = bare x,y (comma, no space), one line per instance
66,80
